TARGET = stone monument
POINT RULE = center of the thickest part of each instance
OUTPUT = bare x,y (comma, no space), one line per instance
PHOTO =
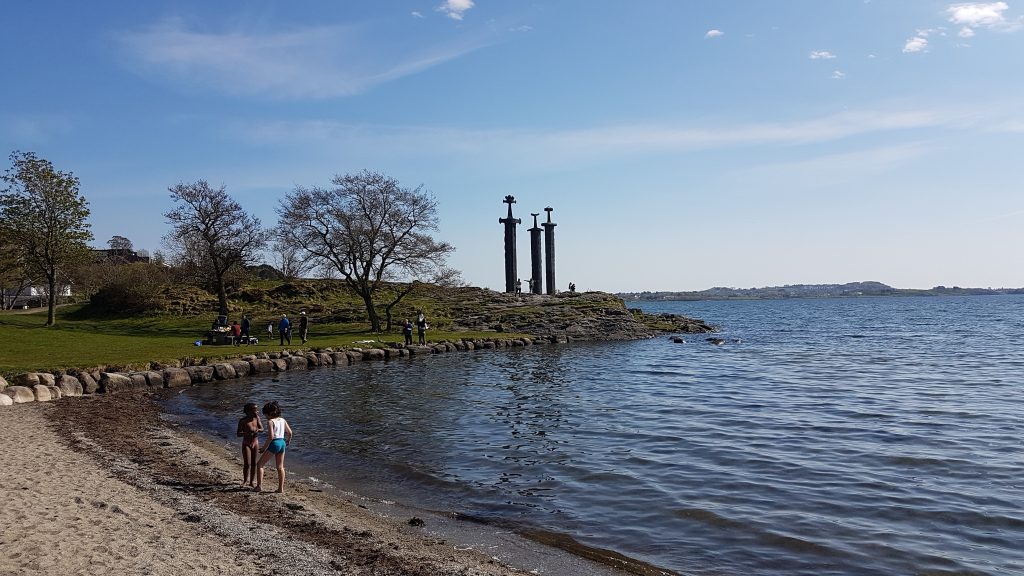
510,245
536,283
549,250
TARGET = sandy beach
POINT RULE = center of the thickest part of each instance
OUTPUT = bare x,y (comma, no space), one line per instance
102,484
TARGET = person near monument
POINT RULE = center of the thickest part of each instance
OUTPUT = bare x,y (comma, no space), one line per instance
519,286
303,326
407,331
284,327
421,328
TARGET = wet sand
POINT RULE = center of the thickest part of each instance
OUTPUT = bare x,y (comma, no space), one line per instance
103,484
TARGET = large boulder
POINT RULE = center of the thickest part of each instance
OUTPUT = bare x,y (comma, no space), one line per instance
89,384
297,363
138,380
42,393
325,358
419,350
340,358
46,379
176,377
373,354
114,381
312,359
20,394
28,379
224,371
55,393
154,379
354,356
5,400
280,364
69,386
262,366
200,374
3,384
241,367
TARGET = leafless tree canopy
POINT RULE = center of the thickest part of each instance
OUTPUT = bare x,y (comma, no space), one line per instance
212,234
370,231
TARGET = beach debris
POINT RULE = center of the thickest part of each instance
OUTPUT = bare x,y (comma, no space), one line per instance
416,521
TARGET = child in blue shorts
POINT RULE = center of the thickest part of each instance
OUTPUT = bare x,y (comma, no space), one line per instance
277,442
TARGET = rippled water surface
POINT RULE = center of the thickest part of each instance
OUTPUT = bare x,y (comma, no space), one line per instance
847,436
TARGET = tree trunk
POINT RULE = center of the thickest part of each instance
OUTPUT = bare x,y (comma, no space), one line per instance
51,301
222,295
371,312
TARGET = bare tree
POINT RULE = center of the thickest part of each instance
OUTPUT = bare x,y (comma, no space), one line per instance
288,257
43,218
369,230
212,235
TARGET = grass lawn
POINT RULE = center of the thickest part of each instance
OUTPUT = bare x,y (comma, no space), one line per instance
77,341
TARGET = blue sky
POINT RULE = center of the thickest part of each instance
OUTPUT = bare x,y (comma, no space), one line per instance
682,145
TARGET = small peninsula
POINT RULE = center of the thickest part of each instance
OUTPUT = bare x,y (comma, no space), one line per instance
848,290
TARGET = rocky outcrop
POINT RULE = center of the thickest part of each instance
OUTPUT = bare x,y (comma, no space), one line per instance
568,315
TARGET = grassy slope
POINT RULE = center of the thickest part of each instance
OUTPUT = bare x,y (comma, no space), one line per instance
81,339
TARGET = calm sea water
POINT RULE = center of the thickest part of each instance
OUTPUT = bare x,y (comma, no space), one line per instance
845,436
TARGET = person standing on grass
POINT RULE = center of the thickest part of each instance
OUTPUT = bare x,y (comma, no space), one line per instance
246,325
303,326
277,442
284,327
249,428
236,333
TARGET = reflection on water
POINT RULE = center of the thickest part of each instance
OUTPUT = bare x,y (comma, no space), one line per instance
869,436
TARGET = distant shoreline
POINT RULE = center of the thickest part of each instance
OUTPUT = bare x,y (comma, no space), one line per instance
798,291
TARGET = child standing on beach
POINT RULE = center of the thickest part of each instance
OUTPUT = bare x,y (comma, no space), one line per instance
277,442
249,428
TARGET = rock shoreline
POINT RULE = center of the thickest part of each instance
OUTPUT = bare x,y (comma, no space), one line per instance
45,386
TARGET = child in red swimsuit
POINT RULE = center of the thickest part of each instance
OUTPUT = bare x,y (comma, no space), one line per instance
249,428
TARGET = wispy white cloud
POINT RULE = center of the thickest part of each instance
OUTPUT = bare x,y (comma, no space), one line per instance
976,14
523,28
821,55
543,149
838,75
915,44
713,33
416,14
455,9
990,15
311,62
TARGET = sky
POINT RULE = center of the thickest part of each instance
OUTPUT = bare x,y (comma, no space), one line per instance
681,144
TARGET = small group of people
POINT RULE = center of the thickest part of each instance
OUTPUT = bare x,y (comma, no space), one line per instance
284,328
253,457
421,329
237,332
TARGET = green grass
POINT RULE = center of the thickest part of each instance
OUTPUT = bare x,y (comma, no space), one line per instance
78,341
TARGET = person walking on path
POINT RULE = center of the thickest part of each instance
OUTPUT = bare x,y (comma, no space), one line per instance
421,328
284,327
277,442
407,330
303,326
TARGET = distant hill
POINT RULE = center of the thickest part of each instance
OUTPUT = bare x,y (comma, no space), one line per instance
850,290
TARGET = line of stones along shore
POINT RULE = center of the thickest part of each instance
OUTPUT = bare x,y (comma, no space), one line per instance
45,386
